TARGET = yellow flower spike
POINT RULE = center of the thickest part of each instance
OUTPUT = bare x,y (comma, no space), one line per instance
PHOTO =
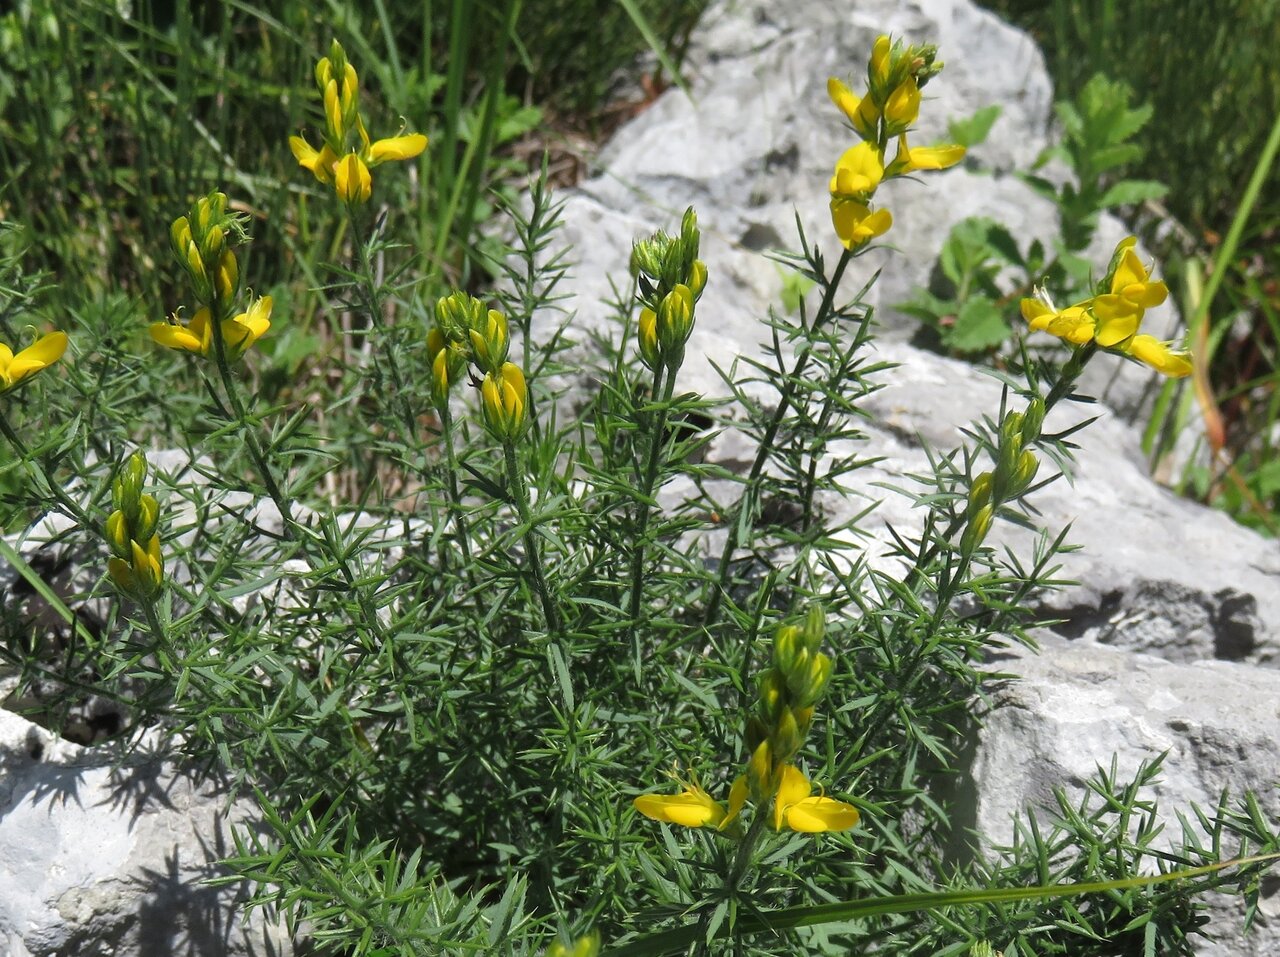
1159,356
909,160
196,336
858,172
856,225
36,357
861,112
352,180
320,162
396,148
692,807
794,807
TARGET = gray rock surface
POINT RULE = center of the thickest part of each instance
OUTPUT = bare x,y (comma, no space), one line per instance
1078,703
99,859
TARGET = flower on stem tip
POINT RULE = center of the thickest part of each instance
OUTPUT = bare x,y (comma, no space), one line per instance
36,357
347,153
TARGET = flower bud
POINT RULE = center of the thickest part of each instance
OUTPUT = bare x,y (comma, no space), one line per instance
1033,421
976,530
180,234
787,643
1011,431
148,518
490,341
1024,472
979,494
675,324
336,132
760,777
228,280
647,335
786,740
815,624
324,73
814,682
697,278
504,395
117,534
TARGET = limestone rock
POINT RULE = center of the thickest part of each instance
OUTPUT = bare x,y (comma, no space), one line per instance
100,859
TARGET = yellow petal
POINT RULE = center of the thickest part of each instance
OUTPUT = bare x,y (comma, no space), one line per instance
41,354
879,67
397,148
816,814
1160,357
175,337
855,224
858,172
793,787
1073,324
1037,314
351,179
1118,319
691,808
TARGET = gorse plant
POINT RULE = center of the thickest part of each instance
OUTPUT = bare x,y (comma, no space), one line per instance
455,696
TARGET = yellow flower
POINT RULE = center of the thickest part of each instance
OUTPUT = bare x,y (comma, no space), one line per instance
141,576
903,107
858,173
1119,312
41,354
503,396
856,224
861,112
694,807
238,333
909,160
794,807
320,162
351,179
1159,356
241,332
1075,324
396,148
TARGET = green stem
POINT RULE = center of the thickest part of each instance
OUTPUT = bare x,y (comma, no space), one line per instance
664,382
371,300
747,506
519,495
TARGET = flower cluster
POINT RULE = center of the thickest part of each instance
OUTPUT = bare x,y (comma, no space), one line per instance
789,691
895,76
346,155
200,244
1111,318
135,564
669,279
466,331
44,352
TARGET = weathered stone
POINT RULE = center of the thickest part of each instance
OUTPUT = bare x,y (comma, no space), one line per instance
97,858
